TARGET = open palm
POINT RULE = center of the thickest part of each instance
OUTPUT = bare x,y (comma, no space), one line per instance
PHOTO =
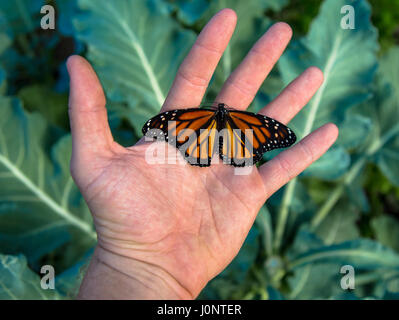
173,227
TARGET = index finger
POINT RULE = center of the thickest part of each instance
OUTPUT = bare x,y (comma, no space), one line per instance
196,71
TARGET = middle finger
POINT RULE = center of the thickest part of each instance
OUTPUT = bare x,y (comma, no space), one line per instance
241,86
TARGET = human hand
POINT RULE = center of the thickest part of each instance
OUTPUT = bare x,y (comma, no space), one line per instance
165,230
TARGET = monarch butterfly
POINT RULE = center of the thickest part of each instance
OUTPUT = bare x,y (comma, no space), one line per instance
240,137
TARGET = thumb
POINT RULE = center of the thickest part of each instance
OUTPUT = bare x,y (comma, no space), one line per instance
91,134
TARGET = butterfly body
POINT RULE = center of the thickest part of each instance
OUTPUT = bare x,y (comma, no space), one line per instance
239,137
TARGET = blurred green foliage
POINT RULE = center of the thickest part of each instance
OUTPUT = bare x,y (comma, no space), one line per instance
343,210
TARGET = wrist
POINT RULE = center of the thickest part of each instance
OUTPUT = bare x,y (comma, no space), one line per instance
112,276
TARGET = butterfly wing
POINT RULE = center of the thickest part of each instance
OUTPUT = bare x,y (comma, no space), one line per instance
193,131
249,135
235,147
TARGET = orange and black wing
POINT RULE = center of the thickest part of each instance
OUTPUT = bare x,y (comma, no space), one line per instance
193,131
248,135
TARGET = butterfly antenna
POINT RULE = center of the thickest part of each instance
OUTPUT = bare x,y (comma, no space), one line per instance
214,104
